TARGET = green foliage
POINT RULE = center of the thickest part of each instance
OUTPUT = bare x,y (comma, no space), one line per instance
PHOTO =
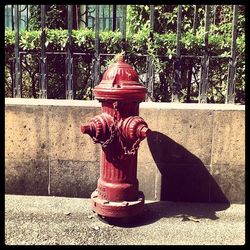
163,42
56,17
9,38
140,42
110,42
83,40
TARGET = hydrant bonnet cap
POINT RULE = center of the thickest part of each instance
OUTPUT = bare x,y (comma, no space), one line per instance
120,82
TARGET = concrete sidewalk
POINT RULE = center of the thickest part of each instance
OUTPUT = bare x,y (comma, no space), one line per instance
48,220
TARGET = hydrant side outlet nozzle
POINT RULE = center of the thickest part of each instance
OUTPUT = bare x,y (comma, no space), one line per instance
119,130
98,128
134,127
143,131
86,129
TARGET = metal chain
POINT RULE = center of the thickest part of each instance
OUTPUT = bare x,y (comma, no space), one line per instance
135,145
114,129
133,149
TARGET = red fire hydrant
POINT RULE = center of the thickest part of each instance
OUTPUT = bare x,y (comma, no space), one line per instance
119,130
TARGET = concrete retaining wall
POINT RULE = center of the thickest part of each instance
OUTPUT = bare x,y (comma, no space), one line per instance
195,153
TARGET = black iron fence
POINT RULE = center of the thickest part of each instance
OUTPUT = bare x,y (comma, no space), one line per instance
96,58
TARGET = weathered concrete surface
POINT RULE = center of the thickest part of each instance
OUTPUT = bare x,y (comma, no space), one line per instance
37,220
26,176
196,152
64,180
25,133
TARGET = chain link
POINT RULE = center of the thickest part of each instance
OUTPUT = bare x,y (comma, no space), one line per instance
115,129
133,149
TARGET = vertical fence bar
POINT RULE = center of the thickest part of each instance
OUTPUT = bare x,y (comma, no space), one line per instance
69,60
124,12
152,17
189,79
230,96
114,17
17,90
43,58
203,87
86,17
13,59
195,19
109,18
97,45
103,18
190,62
12,17
214,18
150,69
27,18
177,71
96,61
78,17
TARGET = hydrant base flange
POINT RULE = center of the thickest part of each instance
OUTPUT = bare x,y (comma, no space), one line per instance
117,209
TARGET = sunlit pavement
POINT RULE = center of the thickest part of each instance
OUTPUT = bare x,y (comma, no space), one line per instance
48,220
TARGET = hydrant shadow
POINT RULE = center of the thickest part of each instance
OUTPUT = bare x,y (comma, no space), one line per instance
184,177
188,190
